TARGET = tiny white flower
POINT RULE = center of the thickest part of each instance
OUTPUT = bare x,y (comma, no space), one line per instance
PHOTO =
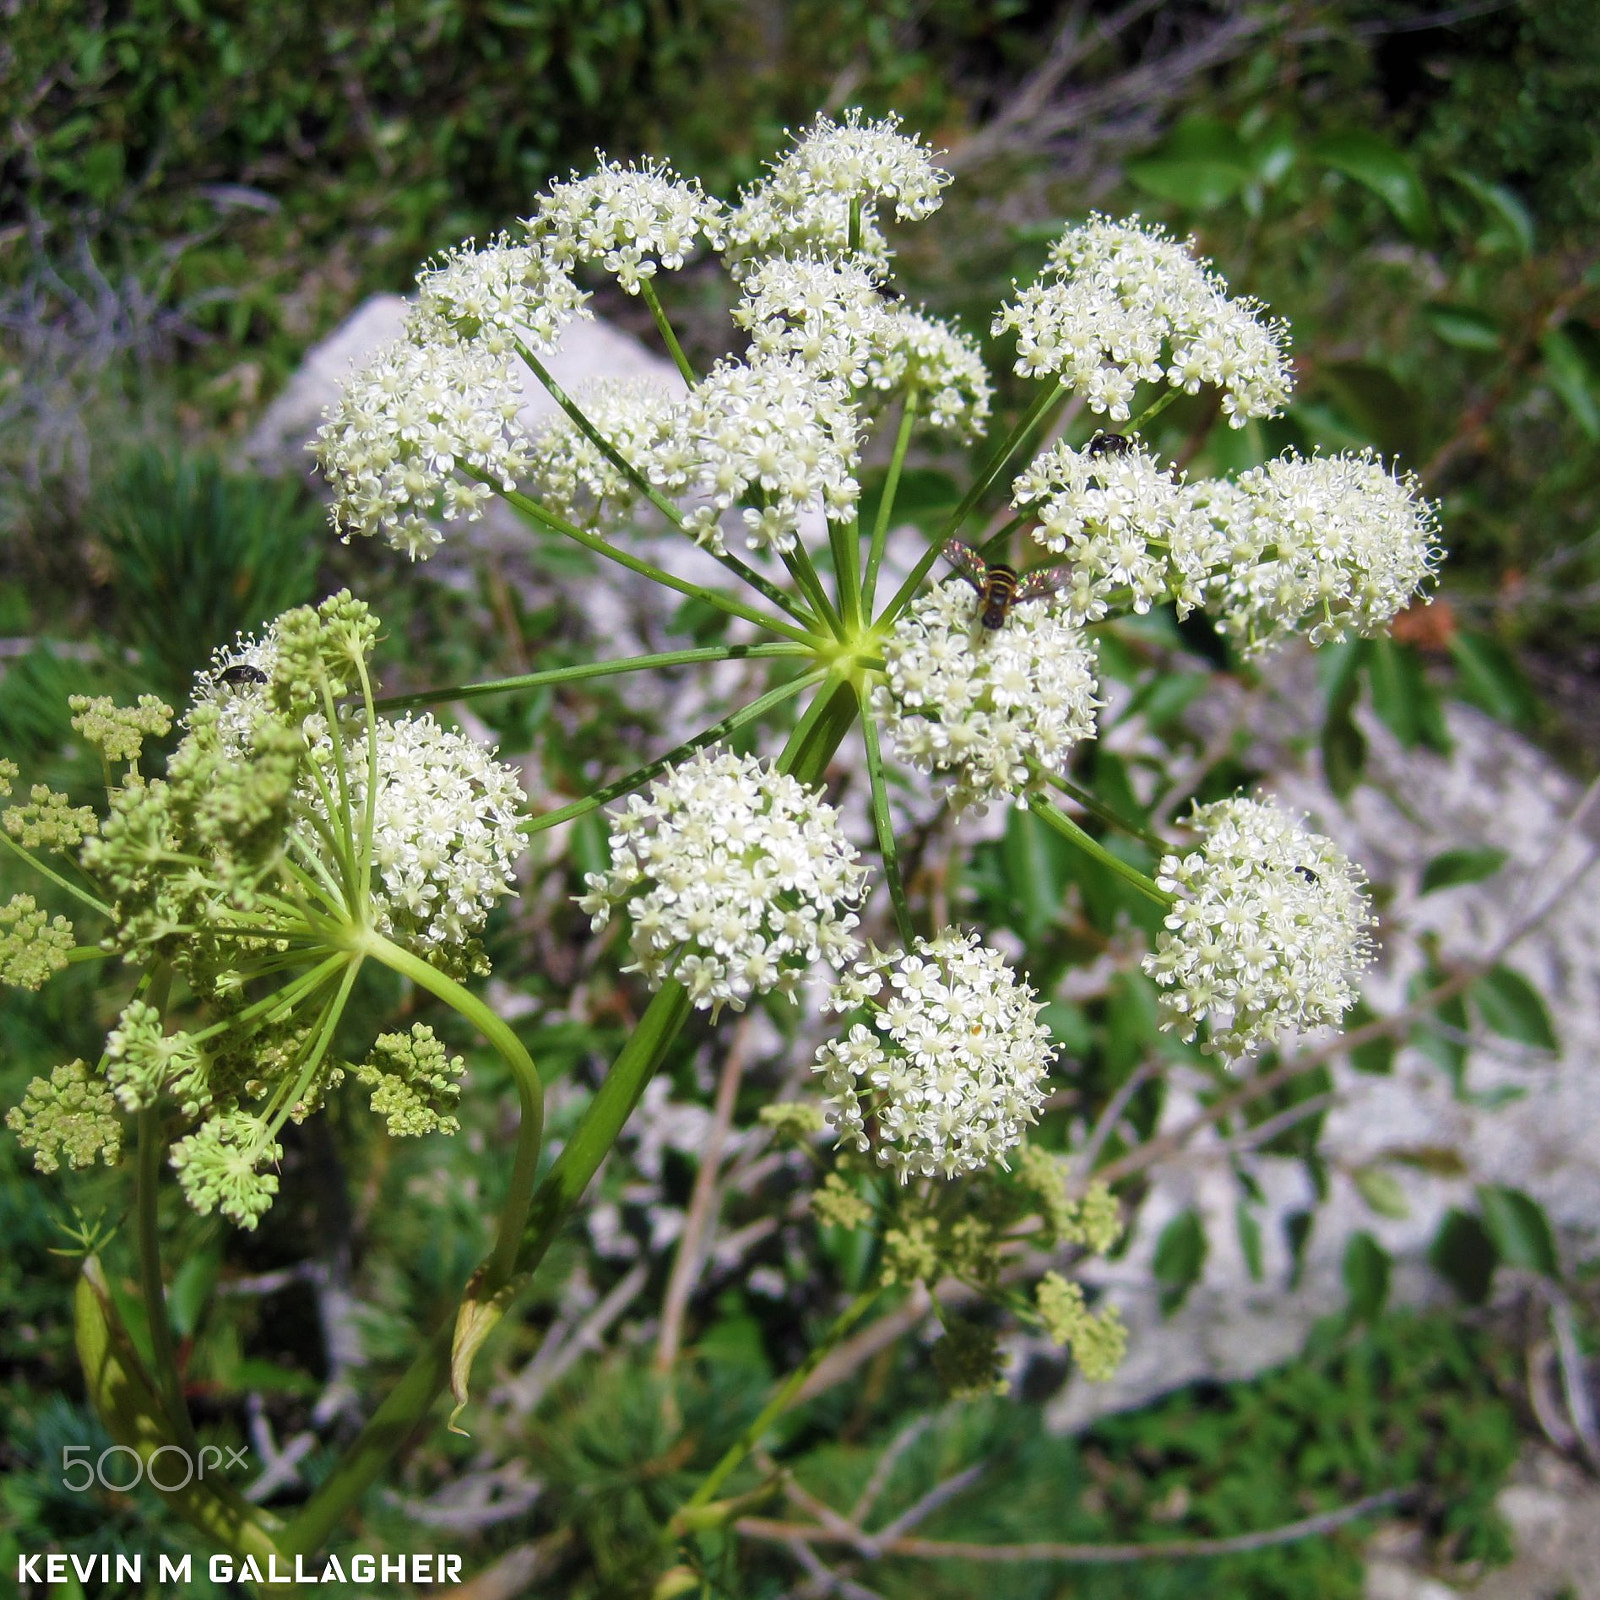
1270,929
1338,541
1122,303
409,432
495,295
631,221
941,363
771,429
803,204
980,706
824,314
949,1062
573,477
1132,531
736,879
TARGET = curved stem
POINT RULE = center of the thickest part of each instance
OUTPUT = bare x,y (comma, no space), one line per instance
647,292
891,488
1153,410
531,509
1097,808
1068,829
781,1400
595,669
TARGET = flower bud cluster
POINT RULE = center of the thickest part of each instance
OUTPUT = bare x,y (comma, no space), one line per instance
737,878
1269,931
1123,303
949,1061
983,707
629,220
1131,531
1339,540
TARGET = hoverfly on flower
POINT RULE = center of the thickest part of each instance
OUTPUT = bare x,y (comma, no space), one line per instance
1000,586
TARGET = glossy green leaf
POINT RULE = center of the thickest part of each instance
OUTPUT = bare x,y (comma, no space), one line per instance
1514,219
1344,746
1512,1007
1487,675
1381,167
1467,865
1570,376
1380,408
1366,1271
1464,1255
1179,1259
1463,327
1403,697
1200,185
1520,1229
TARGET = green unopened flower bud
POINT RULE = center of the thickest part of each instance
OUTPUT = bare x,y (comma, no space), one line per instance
413,1080
70,1113
1098,1341
34,945
49,821
793,1121
837,1202
218,1166
967,1361
119,732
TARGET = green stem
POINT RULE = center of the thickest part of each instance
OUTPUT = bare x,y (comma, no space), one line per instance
530,1091
55,877
531,509
891,488
648,489
1068,829
805,576
883,824
853,228
1153,410
979,487
781,1400
163,1350
596,669
844,540
718,730
647,292
1099,809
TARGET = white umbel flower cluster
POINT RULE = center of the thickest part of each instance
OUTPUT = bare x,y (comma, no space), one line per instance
1131,530
736,879
445,832
980,707
770,427
825,314
1338,540
803,205
236,684
405,427
949,1064
571,475
630,220
1121,303
1270,929
496,296
941,363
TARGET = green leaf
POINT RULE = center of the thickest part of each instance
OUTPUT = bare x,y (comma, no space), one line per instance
1297,1235
1344,746
1514,218
1512,1007
1467,865
1463,327
1382,1191
1488,676
1464,1255
1571,377
1179,1259
1381,409
1032,871
1366,1272
1404,699
1376,1056
1201,185
1373,161
1249,1239
1520,1230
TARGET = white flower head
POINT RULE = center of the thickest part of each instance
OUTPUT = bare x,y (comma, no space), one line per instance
982,707
772,429
1270,929
824,313
402,442
1337,540
1131,530
736,879
630,220
445,828
573,477
803,204
949,1061
496,295
1122,303
941,363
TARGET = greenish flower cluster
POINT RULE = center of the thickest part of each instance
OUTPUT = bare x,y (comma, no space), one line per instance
71,1113
119,732
413,1080
1095,1221
1098,1340
49,821
967,1360
220,1167
34,946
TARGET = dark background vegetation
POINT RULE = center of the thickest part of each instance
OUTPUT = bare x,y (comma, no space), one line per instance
191,194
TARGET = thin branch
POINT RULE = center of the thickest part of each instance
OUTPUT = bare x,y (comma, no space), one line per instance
885,1464
1089,1554
940,1494
1112,1115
